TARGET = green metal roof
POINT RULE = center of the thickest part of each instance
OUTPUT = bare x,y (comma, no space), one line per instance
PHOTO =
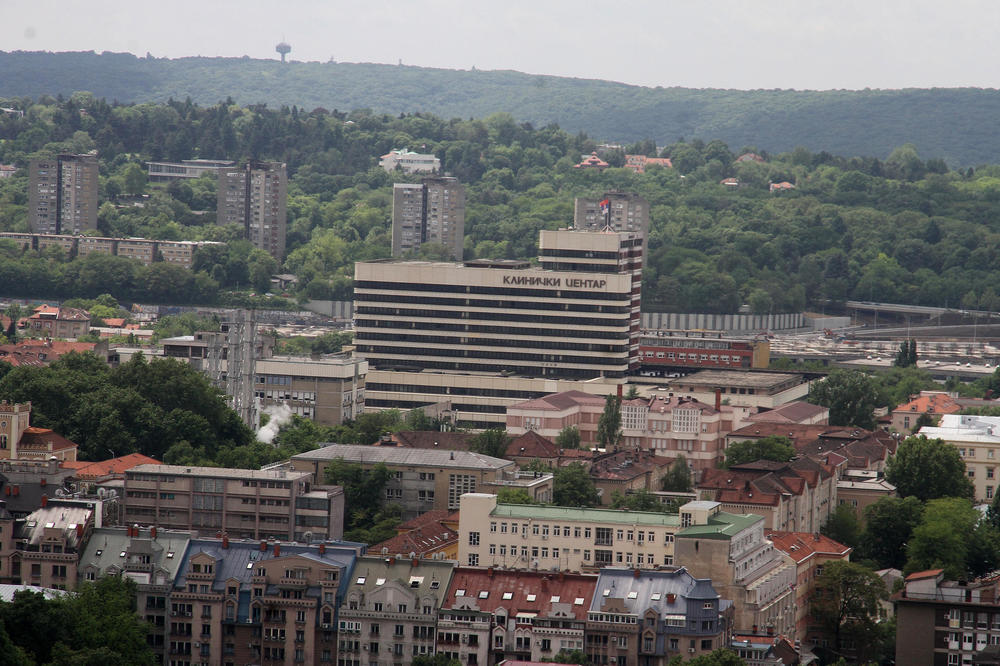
536,512
723,526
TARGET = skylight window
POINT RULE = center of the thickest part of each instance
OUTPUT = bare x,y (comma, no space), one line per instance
531,597
361,580
484,594
170,555
508,596
99,552
380,581
459,593
554,599
435,584
416,581
607,592
249,565
578,601
655,596
121,554
633,595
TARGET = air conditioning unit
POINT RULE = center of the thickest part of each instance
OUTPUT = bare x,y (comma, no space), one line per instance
323,626
465,638
691,650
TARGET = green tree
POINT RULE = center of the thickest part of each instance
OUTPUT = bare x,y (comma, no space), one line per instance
850,395
842,526
568,438
492,442
718,657
641,500
944,538
572,486
928,469
514,496
135,179
609,425
570,657
773,447
846,602
678,477
889,524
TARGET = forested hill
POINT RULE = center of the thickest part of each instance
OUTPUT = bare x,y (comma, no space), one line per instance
956,124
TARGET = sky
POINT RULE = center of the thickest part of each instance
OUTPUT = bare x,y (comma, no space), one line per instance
742,44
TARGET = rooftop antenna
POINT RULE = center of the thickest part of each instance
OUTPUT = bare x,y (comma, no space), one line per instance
284,48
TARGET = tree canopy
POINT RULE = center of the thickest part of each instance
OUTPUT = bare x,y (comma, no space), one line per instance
850,395
772,447
928,469
572,486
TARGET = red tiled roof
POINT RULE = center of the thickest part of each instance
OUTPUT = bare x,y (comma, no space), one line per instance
929,573
530,591
429,532
931,403
113,466
593,161
40,438
803,545
64,314
624,465
38,352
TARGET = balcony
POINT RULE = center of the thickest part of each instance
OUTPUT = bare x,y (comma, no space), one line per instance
293,583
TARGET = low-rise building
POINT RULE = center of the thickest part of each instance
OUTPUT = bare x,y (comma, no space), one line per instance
409,162
652,617
930,404
639,163
491,615
167,171
798,412
810,551
19,440
699,348
530,447
859,489
944,622
389,613
422,479
624,472
797,496
752,389
742,564
59,322
248,504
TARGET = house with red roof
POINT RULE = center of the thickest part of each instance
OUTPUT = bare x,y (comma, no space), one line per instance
624,472
797,496
783,186
928,403
592,161
42,351
797,411
810,551
549,414
59,322
488,615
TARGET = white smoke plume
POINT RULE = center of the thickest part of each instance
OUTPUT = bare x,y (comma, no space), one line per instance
280,415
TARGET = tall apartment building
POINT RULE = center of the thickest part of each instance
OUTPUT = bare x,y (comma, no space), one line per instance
484,334
254,196
62,194
430,212
244,504
625,211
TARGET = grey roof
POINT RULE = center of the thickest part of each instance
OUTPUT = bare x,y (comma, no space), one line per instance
218,472
65,518
428,577
714,378
106,545
404,456
650,589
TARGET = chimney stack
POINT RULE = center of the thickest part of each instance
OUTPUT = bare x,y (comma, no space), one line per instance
718,400
225,541
79,530
152,532
45,501
277,549
263,546
322,549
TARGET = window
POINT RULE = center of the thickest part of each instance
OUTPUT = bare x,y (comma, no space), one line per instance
473,538
473,560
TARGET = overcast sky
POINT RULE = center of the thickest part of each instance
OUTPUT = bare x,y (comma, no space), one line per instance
803,44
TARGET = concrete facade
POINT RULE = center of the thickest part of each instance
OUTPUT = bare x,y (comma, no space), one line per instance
62,194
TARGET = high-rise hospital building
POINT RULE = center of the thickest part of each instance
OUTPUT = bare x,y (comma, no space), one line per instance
480,335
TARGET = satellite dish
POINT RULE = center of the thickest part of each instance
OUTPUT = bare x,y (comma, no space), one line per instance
412,554
307,537
385,550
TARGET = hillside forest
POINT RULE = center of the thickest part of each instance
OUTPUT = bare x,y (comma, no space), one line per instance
902,229
955,124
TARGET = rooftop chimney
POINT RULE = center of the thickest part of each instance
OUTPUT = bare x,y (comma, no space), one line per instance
225,541
45,501
277,550
263,546
322,549
718,400
152,532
